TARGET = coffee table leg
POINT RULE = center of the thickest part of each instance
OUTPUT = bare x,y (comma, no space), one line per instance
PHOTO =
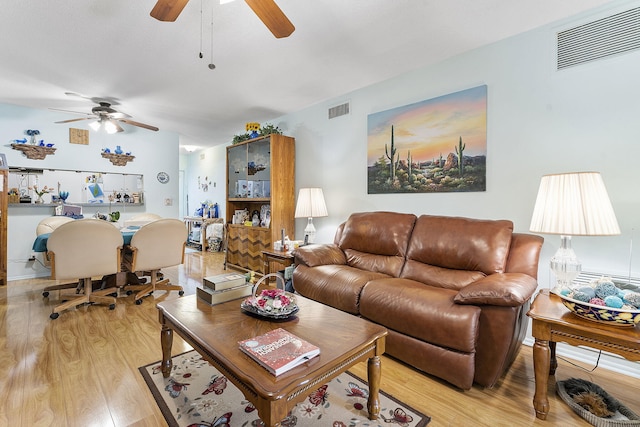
373,373
541,364
553,364
166,340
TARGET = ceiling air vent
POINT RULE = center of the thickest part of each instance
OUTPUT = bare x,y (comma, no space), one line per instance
605,37
339,110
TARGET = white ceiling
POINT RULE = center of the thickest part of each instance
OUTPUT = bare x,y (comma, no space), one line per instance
113,49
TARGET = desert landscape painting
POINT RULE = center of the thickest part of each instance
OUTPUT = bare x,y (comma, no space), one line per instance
436,145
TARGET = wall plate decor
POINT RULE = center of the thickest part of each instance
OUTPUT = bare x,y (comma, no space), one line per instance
433,146
163,177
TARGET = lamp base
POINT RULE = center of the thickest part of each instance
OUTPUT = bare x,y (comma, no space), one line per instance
565,264
310,232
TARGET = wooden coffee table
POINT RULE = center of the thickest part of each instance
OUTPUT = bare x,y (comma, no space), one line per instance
552,322
214,332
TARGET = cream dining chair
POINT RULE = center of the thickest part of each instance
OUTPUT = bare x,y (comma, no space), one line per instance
156,245
80,250
47,225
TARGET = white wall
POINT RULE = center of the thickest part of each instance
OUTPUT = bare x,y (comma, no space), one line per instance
154,152
209,165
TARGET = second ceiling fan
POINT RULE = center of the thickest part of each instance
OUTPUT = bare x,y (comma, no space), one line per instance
267,10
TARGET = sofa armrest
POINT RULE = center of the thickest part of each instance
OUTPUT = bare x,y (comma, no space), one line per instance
314,255
504,289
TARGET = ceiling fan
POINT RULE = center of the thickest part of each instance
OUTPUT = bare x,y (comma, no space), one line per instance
107,117
267,10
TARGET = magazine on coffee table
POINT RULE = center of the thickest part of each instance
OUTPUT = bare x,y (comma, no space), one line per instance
279,350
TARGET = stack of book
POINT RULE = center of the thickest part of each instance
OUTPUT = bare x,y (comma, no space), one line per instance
223,288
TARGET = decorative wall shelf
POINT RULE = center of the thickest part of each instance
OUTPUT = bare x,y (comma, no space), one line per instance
118,159
34,152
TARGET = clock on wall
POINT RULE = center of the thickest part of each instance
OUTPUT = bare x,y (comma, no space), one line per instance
163,177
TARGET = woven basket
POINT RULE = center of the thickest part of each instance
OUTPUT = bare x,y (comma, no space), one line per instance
616,421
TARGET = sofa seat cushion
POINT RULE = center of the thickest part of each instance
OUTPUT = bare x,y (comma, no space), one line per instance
336,285
440,277
423,312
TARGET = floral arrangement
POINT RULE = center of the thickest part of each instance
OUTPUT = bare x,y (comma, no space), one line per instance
273,301
252,127
254,130
42,191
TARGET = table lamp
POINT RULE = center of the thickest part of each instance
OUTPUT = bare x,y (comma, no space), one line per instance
310,205
572,204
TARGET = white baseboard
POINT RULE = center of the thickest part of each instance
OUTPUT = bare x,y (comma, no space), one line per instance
589,357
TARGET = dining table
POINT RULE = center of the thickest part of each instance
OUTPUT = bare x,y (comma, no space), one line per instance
40,244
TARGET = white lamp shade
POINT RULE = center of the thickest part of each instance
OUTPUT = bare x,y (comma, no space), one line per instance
310,203
574,204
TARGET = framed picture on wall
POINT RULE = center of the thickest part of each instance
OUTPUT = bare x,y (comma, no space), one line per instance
433,146
3,162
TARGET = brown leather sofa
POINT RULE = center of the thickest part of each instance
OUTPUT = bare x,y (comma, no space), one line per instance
453,292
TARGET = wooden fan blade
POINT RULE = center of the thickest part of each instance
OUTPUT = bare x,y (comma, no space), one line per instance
73,112
272,16
75,120
168,10
142,125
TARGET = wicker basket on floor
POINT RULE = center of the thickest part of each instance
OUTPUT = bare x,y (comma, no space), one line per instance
632,418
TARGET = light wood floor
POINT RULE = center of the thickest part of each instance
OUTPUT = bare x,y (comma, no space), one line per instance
82,369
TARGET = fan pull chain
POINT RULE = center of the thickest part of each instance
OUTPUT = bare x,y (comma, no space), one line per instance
211,64
201,30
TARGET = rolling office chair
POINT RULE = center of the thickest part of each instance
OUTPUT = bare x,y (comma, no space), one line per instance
156,245
80,250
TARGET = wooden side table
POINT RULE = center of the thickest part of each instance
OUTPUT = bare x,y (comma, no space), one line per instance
282,257
552,322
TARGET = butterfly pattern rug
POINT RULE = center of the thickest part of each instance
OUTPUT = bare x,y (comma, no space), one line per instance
198,395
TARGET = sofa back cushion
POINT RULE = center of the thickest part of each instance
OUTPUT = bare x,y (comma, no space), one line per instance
453,252
377,241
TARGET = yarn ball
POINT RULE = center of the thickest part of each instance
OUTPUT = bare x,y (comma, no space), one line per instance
587,290
580,296
628,307
597,301
604,289
613,301
632,298
565,291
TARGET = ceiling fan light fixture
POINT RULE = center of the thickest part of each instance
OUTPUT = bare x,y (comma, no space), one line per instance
112,127
95,125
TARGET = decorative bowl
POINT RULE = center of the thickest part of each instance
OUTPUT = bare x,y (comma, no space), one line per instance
270,303
248,308
598,313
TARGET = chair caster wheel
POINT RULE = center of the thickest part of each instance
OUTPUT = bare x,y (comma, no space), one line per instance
138,301
112,306
45,294
115,295
54,316
180,293
129,293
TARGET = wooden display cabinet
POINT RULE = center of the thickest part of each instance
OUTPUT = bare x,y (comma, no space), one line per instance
260,174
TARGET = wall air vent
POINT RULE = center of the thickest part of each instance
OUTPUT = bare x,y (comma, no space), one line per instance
339,110
605,37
